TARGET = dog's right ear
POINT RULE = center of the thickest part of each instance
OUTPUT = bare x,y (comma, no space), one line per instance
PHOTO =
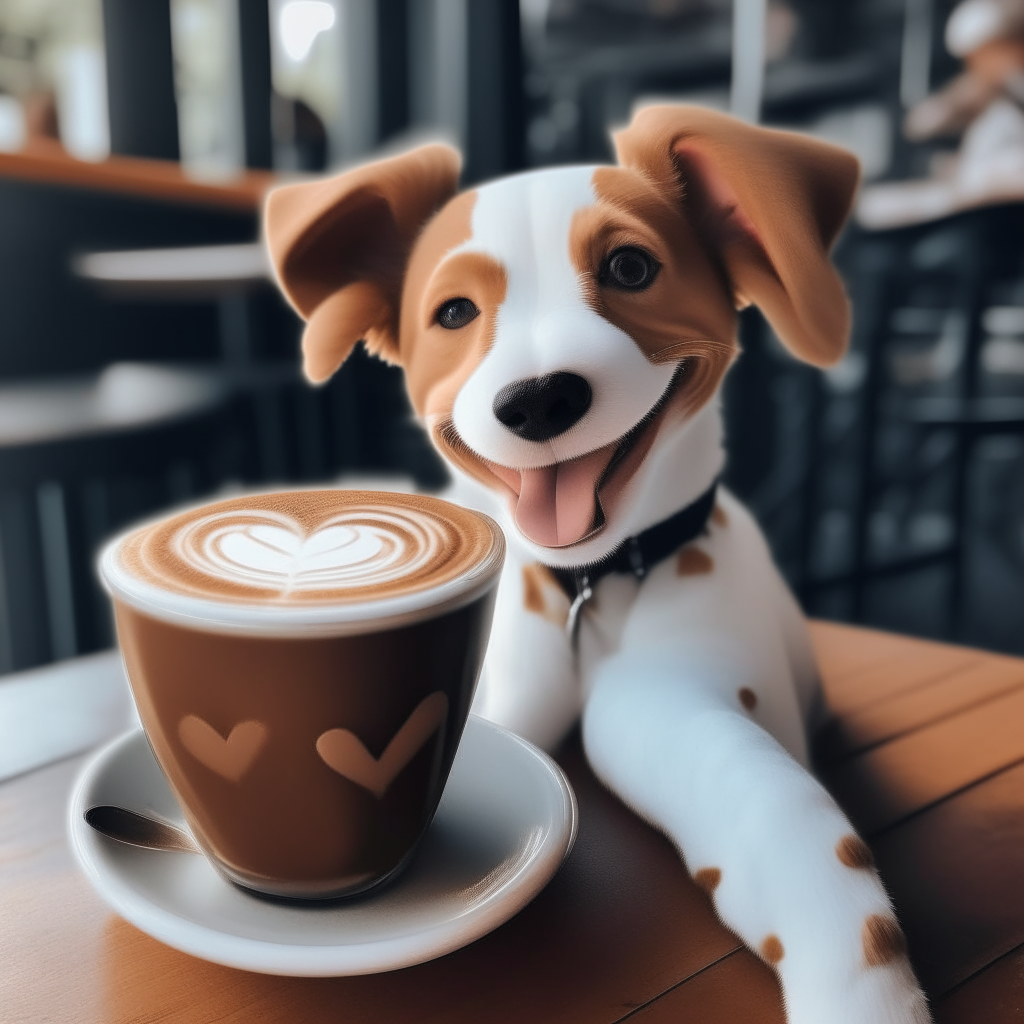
339,247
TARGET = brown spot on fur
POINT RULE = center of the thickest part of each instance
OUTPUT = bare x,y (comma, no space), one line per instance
533,598
437,361
688,312
853,852
691,561
543,596
772,950
748,698
718,516
708,879
883,941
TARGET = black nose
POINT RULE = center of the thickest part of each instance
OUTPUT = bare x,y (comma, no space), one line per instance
541,408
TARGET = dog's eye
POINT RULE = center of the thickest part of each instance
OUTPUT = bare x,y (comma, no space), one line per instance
456,313
629,268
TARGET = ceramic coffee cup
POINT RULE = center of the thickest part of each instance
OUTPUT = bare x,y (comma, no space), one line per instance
303,664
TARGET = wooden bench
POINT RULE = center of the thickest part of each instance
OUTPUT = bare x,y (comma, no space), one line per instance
926,755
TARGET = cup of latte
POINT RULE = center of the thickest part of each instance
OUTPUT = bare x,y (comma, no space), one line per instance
303,664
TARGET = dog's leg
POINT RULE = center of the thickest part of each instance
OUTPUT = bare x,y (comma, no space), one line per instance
530,683
800,657
783,866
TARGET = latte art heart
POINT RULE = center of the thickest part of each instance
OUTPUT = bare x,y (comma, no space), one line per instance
272,551
311,547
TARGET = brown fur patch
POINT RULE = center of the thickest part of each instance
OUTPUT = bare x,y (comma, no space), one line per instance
691,561
437,362
708,879
533,597
882,940
748,698
853,852
543,596
718,516
687,313
772,950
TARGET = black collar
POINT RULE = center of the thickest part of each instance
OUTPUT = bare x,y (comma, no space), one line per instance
643,551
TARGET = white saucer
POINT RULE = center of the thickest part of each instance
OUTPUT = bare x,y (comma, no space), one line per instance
506,822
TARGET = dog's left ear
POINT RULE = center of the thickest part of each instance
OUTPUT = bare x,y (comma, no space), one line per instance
769,204
340,245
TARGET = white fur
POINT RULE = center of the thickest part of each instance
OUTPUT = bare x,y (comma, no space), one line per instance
660,663
545,324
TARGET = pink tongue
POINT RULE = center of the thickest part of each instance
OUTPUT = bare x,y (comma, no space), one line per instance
557,504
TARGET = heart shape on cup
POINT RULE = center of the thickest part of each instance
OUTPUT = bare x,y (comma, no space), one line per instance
343,751
230,758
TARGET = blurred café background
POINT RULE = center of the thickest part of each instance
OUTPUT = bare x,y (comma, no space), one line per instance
146,359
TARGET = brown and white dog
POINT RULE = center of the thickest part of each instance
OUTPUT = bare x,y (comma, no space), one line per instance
564,334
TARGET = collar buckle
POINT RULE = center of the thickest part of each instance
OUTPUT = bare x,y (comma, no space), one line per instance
584,592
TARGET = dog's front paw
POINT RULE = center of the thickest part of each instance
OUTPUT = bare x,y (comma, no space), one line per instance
876,995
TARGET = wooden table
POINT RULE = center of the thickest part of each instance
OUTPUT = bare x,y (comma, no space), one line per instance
46,160
927,756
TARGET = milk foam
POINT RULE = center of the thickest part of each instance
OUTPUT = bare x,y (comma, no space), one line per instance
272,552
305,560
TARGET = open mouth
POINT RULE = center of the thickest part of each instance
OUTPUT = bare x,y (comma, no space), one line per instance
564,503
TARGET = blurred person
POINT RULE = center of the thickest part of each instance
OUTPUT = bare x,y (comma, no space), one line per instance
41,115
300,137
984,104
988,35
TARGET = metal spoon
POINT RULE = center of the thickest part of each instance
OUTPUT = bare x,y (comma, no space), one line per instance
139,829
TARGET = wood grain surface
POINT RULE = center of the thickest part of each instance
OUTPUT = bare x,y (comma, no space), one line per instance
621,932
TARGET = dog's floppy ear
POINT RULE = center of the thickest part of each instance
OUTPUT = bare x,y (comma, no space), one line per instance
768,203
340,245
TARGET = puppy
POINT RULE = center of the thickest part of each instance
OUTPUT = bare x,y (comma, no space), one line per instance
564,334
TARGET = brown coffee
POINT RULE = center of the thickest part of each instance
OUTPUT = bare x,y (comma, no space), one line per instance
307,716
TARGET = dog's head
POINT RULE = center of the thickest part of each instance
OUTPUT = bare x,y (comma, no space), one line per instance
563,330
